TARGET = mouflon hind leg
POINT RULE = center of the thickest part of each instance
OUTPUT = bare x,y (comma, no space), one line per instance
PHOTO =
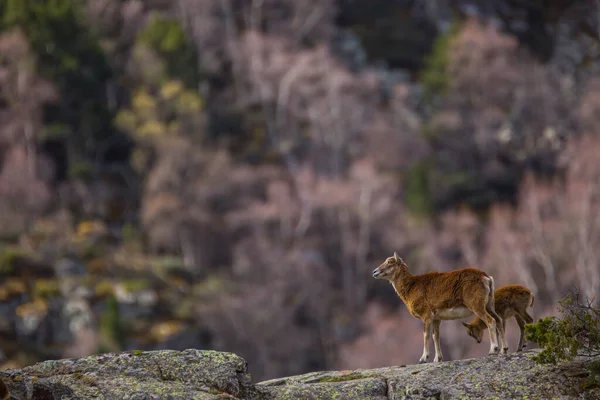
436,341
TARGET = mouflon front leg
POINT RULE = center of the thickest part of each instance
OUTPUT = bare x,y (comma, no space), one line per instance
426,336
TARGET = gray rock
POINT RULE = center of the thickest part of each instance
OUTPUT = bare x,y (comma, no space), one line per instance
165,374
195,374
78,313
67,267
492,377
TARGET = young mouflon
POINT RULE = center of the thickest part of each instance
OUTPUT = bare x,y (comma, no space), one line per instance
510,301
437,296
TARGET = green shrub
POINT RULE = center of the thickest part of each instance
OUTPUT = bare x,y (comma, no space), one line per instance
577,331
163,35
131,235
161,263
8,258
81,170
435,77
593,380
167,38
417,194
45,288
135,285
111,325
92,250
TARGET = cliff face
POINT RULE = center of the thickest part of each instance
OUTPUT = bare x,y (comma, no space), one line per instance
196,374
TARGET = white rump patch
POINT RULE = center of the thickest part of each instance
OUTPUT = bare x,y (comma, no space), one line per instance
453,313
488,282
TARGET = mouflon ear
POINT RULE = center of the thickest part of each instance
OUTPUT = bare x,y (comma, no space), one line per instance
398,259
465,324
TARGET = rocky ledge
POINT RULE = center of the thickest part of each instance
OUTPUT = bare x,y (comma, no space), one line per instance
197,374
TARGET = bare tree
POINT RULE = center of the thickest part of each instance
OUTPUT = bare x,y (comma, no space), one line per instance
23,189
540,248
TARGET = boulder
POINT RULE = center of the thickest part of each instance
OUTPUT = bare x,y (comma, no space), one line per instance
513,376
163,374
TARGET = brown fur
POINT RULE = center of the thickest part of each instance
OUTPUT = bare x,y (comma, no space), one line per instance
437,296
511,301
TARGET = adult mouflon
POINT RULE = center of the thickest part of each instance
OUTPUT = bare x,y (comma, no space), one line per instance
437,296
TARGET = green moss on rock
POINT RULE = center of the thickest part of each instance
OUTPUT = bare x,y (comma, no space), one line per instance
189,374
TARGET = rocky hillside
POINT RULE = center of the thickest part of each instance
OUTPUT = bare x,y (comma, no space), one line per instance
206,375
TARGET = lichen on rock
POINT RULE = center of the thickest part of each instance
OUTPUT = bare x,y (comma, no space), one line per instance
208,375
162,374
514,376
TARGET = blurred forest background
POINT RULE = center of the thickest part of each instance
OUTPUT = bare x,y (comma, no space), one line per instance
225,174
